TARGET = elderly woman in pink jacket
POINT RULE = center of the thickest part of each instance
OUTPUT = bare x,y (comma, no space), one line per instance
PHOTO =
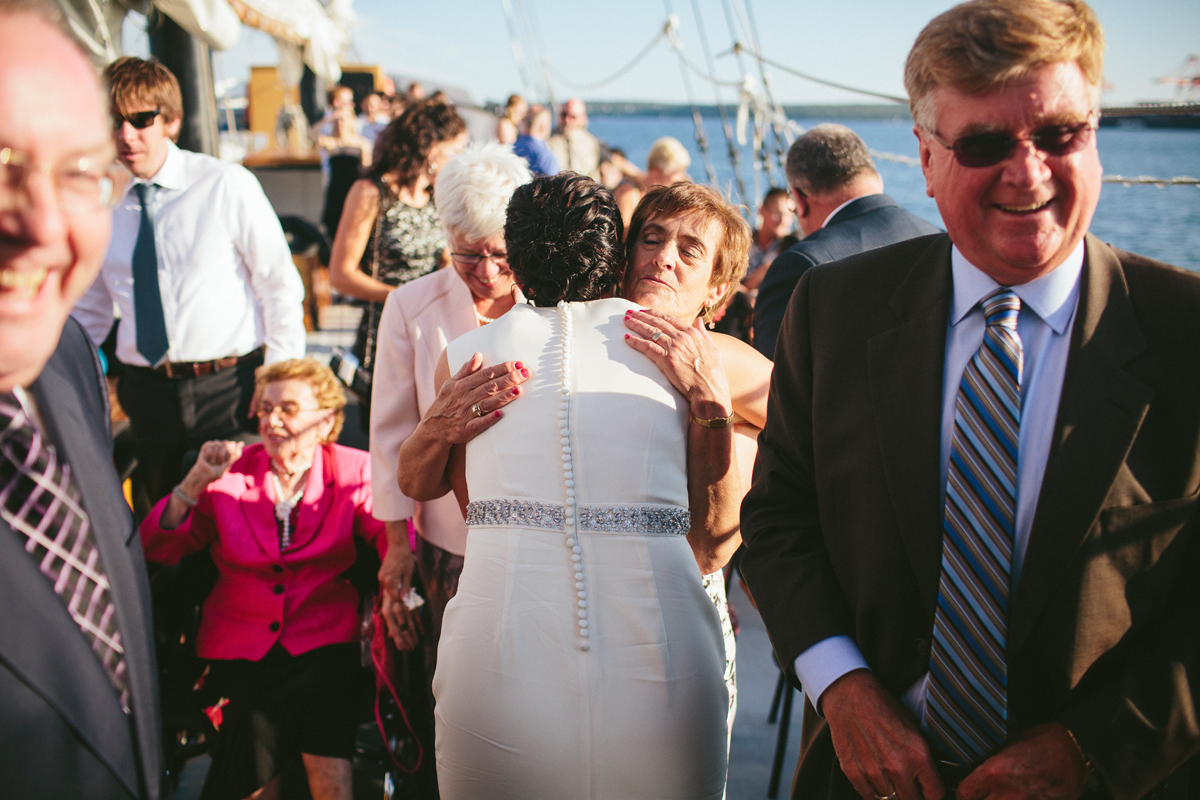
281,627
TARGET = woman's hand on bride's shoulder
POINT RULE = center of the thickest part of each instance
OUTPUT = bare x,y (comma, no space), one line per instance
686,354
469,402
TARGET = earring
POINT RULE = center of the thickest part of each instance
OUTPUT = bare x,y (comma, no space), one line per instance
706,313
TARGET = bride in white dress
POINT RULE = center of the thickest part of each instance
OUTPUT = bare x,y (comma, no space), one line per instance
581,657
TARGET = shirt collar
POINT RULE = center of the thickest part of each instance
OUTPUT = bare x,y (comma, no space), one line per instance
170,174
1052,297
835,212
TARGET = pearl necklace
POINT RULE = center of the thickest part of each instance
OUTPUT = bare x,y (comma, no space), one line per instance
284,507
481,319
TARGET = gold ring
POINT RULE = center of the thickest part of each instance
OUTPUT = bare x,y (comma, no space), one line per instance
477,411
891,796
657,334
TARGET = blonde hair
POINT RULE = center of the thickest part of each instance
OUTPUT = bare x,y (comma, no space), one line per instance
325,385
669,155
979,45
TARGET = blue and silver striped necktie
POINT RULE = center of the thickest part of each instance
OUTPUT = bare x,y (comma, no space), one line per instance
968,691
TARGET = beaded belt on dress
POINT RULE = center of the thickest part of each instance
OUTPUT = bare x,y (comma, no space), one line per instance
651,520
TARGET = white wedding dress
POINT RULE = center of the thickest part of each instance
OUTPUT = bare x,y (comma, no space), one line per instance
581,657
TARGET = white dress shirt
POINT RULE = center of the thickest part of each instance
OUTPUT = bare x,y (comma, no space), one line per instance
1044,324
225,272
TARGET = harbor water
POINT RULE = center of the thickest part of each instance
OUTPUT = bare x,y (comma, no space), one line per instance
1159,222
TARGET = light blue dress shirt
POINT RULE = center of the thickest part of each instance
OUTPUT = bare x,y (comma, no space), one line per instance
1048,307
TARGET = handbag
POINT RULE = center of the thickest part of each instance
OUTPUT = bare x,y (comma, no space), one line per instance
354,374
399,745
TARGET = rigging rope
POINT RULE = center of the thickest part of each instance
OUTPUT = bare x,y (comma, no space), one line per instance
1146,180
513,38
738,46
734,160
677,46
583,87
697,120
779,121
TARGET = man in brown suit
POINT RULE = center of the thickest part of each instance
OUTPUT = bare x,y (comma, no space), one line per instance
997,609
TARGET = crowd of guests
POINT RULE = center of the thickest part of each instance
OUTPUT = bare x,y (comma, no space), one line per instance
961,467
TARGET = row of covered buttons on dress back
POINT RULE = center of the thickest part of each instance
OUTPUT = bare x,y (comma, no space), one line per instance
564,430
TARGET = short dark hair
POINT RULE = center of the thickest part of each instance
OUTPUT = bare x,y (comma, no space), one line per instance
134,81
406,141
563,237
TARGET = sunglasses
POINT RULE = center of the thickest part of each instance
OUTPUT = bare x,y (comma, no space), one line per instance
140,120
989,149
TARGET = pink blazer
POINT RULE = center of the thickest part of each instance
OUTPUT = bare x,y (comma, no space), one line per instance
262,596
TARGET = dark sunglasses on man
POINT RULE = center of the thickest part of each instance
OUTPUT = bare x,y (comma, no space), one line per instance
139,120
989,149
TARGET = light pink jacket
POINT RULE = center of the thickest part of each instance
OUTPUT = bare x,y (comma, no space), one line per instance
419,319
297,598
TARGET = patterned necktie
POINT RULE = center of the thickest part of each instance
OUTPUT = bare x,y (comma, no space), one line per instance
147,300
40,500
967,703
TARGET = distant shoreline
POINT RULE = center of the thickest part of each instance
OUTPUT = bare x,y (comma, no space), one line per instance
615,108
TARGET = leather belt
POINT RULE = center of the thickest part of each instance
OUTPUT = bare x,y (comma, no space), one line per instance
196,369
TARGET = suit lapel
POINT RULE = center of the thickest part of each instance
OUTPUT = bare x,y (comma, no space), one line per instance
1099,415
111,525
318,497
905,366
258,506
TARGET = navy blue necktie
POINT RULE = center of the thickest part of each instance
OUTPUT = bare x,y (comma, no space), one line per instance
147,300
968,690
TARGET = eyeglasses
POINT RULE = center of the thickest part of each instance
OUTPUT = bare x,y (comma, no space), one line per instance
475,259
988,149
286,409
138,119
81,185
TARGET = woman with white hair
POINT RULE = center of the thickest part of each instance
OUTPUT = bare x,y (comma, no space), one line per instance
419,319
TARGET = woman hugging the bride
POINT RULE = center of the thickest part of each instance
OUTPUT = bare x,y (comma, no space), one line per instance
581,657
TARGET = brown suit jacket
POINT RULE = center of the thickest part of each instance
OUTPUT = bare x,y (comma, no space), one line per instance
843,523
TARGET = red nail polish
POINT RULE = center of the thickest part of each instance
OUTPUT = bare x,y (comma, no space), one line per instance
516,390
498,414
627,336
524,373
518,365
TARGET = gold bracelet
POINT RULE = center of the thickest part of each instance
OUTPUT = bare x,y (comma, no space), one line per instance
719,422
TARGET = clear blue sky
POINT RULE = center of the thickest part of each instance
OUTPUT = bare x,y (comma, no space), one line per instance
857,42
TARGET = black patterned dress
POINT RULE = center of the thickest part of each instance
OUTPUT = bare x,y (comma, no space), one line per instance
410,240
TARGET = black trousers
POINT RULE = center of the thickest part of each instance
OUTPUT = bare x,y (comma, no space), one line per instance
170,416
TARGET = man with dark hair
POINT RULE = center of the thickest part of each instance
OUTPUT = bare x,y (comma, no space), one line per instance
203,276
841,209
972,531
78,686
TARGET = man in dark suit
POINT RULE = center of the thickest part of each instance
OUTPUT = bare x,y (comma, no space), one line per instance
840,206
78,693
1005,413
